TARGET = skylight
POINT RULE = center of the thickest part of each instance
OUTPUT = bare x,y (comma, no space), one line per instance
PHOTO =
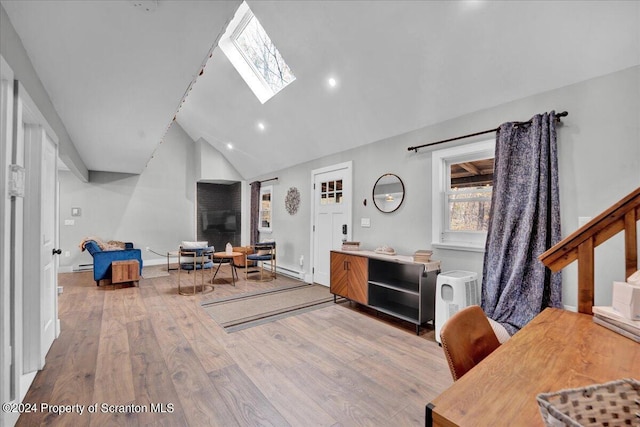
254,55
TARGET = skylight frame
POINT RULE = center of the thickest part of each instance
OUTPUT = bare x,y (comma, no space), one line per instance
241,60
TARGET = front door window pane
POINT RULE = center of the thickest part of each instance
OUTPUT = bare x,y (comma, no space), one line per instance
331,192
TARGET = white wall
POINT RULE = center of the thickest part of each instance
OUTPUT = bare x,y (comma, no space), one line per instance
599,162
212,166
13,51
599,153
154,209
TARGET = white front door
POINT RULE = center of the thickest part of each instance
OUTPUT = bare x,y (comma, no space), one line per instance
331,216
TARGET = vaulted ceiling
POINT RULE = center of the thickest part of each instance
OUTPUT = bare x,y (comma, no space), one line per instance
116,73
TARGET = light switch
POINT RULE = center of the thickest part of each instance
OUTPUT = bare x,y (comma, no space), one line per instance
69,222
365,222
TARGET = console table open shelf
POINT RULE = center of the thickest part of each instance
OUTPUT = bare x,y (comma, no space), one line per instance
390,284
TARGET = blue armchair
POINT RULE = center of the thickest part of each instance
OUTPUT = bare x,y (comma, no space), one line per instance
102,259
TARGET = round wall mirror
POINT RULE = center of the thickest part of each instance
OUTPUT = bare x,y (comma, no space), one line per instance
388,193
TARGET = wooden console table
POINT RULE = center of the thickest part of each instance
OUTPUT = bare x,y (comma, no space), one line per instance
557,350
390,284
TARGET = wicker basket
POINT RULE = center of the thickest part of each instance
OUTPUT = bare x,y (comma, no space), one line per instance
616,403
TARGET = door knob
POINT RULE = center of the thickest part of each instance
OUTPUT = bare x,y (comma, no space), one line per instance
56,251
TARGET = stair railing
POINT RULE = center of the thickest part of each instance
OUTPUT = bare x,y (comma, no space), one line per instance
580,245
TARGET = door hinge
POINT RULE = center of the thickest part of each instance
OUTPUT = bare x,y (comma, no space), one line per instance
314,228
313,270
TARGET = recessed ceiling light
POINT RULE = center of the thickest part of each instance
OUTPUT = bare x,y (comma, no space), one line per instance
260,125
229,146
332,82
471,4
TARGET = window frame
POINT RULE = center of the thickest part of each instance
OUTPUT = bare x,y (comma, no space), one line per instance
441,160
238,58
268,189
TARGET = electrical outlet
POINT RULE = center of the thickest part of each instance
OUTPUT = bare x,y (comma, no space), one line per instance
69,222
148,249
301,260
67,254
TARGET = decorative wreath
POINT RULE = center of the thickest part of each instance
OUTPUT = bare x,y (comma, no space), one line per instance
292,201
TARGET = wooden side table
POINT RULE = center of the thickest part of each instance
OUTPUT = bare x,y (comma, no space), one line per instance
224,257
172,254
125,271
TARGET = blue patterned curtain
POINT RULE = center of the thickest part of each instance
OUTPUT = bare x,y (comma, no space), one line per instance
524,222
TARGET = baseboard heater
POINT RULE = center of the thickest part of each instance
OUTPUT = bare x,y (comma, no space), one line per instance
83,267
287,271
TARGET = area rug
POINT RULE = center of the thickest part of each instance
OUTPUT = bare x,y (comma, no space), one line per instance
153,271
248,310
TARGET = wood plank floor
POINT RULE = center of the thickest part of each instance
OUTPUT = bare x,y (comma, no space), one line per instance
147,348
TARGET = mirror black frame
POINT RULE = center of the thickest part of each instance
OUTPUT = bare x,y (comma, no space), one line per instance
374,192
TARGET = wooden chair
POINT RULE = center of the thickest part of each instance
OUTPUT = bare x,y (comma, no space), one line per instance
467,338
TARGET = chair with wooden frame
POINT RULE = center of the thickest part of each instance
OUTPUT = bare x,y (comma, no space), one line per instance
263,252
193,258
467,338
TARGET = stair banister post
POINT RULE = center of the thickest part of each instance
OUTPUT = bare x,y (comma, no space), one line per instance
586,276
630,243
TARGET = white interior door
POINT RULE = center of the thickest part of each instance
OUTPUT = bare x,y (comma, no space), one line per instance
331,222
38,299
40,303
49,284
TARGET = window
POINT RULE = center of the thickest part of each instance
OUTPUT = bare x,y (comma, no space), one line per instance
265,213
468,193
331,192
461,195
254,55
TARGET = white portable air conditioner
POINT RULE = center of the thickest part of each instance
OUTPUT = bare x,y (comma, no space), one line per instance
455,290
